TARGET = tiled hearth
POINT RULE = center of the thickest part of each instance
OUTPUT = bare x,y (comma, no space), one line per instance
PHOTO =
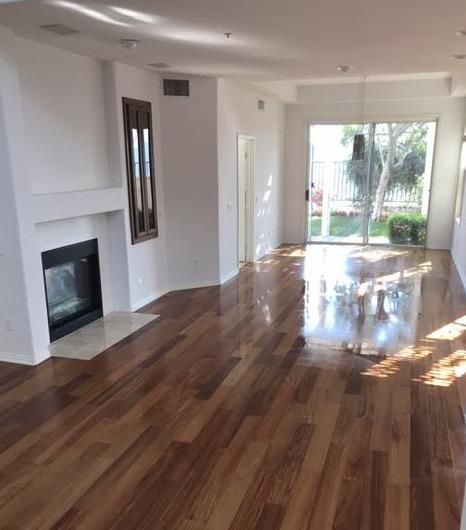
98,336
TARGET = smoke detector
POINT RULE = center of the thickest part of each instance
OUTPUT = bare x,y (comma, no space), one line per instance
129,44
343,68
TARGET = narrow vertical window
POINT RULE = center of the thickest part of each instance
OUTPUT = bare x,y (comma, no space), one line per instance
140,169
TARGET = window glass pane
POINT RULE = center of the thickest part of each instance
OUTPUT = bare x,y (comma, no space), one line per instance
148,176
137,180
140,166
460,186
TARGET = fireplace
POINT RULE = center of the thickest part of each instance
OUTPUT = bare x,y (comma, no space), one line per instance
72,286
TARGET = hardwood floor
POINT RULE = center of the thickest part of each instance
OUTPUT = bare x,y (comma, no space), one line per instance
321,389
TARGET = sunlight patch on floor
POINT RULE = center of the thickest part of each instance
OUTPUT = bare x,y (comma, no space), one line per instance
446,371
422,268
391,365
450,331
373,255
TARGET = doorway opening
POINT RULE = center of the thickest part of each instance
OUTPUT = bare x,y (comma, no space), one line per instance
378,197
246,146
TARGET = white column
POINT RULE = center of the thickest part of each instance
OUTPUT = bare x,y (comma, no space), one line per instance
23,319
427,177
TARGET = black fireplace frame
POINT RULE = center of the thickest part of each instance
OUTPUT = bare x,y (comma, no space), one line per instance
59,256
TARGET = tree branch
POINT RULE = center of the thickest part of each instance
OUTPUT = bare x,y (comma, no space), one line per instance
401,129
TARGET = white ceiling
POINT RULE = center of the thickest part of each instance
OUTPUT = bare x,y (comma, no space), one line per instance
272,39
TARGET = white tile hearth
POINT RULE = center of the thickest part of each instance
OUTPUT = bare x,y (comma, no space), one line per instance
89,341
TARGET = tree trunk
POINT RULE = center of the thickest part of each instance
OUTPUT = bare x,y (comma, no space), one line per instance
384,178
387,169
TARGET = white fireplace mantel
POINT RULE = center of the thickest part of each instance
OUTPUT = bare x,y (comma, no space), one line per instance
48,207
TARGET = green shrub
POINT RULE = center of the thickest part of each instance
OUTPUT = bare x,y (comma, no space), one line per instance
407,228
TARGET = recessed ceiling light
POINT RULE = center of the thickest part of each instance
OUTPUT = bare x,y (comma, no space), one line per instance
129,44
343,68
461,33
458,57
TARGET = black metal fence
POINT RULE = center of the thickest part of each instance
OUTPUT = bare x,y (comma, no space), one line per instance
342,189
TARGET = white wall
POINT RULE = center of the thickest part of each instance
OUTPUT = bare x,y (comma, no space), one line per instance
23,326
69,121
189,165
238,113
458,248
65,112
63,102
147,261
450,114
15,329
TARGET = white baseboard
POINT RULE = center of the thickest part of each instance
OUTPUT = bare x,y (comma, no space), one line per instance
181,287
148,300
229,276
194,285
177,287
16,358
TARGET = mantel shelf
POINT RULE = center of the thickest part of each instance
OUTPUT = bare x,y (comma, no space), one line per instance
48,207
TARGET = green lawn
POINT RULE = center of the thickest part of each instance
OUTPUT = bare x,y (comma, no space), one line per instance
341,226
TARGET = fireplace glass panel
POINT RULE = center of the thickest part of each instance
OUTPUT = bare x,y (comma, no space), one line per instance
68,289
72,284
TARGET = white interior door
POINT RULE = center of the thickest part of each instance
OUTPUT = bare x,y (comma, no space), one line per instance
245,193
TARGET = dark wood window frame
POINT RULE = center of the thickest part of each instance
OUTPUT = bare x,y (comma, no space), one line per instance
137,117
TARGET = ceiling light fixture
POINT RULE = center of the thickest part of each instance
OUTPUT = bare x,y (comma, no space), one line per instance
461,33
343,68
458,57
359,140
88,11
129,44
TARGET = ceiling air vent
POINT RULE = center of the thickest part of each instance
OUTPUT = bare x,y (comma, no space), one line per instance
160,66
59,29
176,87
261,104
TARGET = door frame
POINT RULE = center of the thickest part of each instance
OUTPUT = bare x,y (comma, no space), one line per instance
368,120
249,228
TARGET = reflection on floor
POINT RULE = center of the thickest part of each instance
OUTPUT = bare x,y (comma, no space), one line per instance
351,239
370,310
323,388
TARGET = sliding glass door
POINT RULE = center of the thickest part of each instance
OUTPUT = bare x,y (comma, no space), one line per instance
337,184
400,182
369,183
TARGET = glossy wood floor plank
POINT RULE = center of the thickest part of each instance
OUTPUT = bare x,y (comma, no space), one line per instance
286,399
